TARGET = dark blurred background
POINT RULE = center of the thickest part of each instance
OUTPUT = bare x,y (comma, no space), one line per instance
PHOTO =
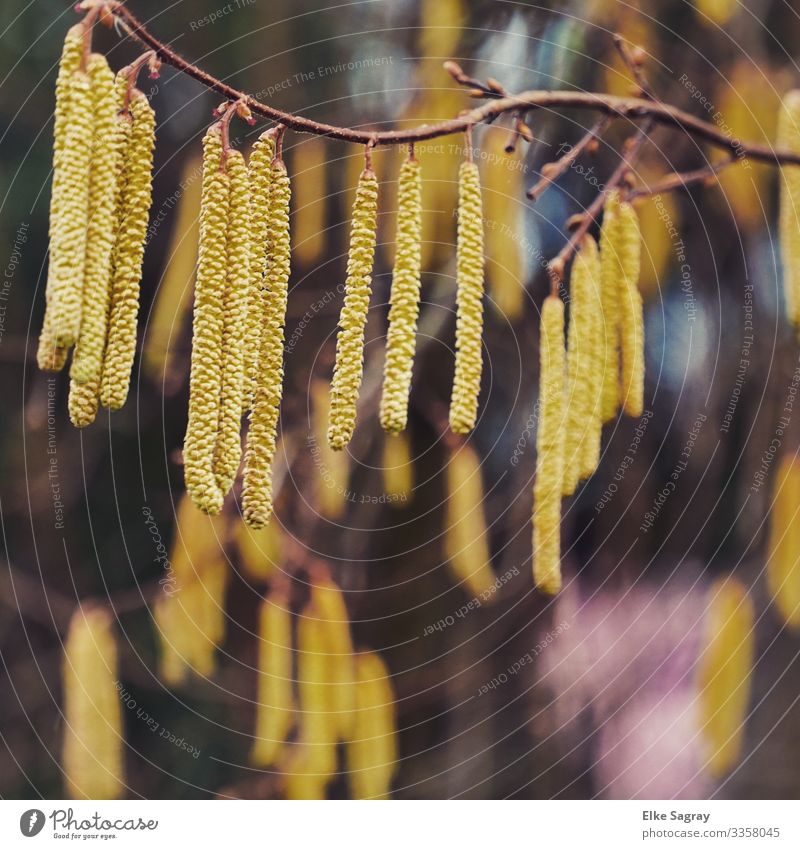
608,707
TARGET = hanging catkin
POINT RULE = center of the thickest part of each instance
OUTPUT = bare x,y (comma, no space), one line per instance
469,310
783,563
549,450
465,541
404,310
353,319
260,549
610,277
631,313
262,433
725,672
580,362
275,702
398,468
789,222
51,356
87,361
372,750
328,602
83,403
332,471
260,179
92,753
205,377
228,451
590,455
70,216
135,197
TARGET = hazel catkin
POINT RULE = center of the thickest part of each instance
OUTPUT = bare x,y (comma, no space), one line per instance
593,321
404,309
580,357
205,376
372,749
349,365
610,274
789,220
134,199
228,450
259,172
469,302
83,402
93,744
631,311
87,361
262,432
275,701
549,450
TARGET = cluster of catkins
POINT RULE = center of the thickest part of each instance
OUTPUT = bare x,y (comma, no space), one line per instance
102,163
583,386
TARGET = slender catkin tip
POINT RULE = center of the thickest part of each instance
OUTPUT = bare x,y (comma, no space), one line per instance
349,364
372,750
783,564
725,673
469,302
789,218
133,209
83,403
205,373
228,452
260,179
594,362
87,362
610,282
631,313
275,702
580,356
466,543
549,450
69,213
93,744
404,310
263,429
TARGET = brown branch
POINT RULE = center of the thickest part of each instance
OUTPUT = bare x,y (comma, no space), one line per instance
631,108
681,180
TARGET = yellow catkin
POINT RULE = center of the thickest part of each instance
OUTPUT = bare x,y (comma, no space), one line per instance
205,377
83,403
173,298
789,222
631,313
51,356
610,274
328,603
579,398
262,433
502,176
93,745
308,167
372,750
275,702
349,366
469,315
332,470
133,211
595,360
466,545
404,310
783,563
87,361
724,673
398,468
70,216
318,730
259,549
260,178
549,450
228,451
